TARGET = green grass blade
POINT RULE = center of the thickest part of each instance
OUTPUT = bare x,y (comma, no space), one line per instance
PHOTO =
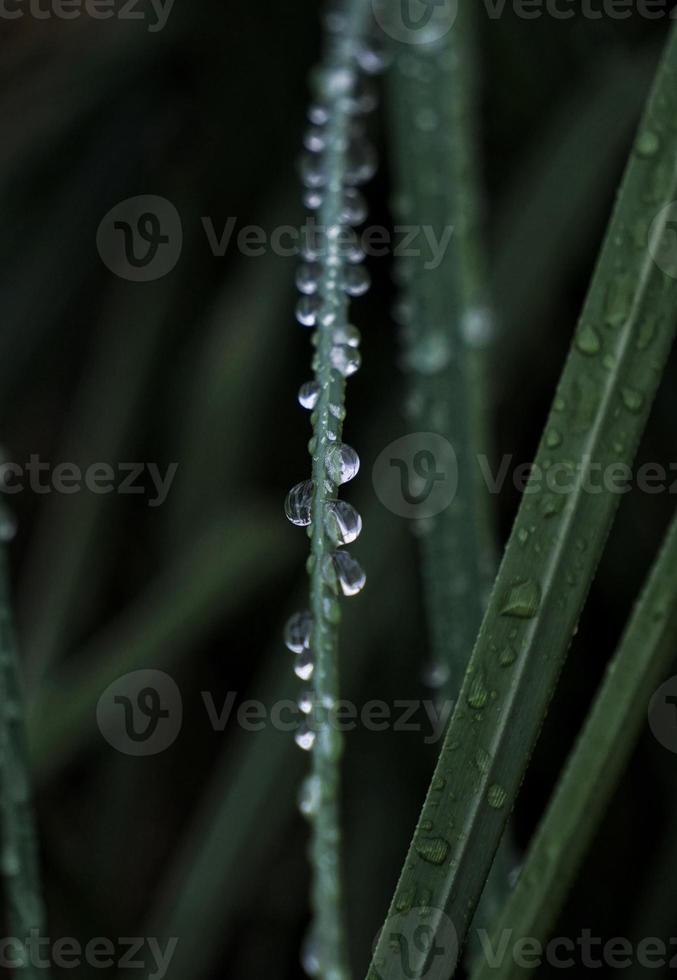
602,403
599,757
445,322
335,359
19,861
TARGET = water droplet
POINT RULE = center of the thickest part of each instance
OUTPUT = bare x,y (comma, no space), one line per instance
496,796
436,675
305,737
426,120
477,327
372,57
312,170
350,574
354,210
346,360
297,631
318,114
309,394
298,504
360,163
619,300
430,355
312,199
552,504
304,665
523,535
523,600
347,334
343,464
307,309
315,139
482,760
307,278
646,334
648,143
434,850
633,400
507,657
332,81
356,280
309,796
8,526
553,439
306,702
343,523
478,695
587,340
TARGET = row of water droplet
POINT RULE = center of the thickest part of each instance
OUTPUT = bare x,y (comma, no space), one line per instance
336,161
334,264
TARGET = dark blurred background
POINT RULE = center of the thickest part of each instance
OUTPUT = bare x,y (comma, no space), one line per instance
201,368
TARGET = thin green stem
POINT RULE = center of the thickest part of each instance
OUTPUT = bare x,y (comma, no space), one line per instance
600,410
592,771
19,860
328,925
445,328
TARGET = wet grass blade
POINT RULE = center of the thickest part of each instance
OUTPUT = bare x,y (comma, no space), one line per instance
592,771
332,522
446,325
19,866
599,412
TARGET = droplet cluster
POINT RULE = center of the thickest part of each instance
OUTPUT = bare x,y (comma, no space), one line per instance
337,160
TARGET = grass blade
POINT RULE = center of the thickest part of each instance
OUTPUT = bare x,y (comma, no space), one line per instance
446,322
602,403
331,522
19,864
602,750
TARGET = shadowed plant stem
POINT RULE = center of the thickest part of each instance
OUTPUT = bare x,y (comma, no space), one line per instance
19,859
592,771
448,327
328,927
446,322
599,413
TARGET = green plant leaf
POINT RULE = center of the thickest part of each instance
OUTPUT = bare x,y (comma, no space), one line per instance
598,759
600,409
